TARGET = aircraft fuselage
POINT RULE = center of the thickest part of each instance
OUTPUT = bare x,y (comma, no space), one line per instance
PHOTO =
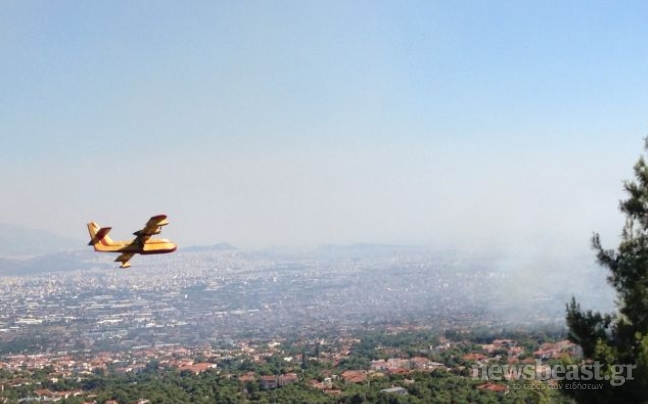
151,246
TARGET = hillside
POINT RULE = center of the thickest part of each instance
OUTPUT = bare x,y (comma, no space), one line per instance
18,240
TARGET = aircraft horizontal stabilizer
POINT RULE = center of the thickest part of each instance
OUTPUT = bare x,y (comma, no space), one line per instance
101,233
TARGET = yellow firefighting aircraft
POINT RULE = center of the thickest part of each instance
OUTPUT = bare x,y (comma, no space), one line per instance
142,244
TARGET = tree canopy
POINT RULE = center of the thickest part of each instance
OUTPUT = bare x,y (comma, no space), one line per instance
621,338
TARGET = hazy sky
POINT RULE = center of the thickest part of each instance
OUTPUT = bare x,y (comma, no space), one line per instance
264,123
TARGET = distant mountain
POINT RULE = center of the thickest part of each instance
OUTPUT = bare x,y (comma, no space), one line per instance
9,267
18,240
56,262
208,248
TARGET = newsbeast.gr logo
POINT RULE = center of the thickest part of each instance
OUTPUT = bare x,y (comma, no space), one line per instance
616,374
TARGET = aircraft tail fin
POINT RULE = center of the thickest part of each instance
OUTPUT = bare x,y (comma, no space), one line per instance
99,235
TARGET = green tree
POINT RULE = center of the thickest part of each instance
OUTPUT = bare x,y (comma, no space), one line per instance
620,338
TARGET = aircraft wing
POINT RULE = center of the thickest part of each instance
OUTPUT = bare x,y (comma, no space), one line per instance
153,226
124,258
